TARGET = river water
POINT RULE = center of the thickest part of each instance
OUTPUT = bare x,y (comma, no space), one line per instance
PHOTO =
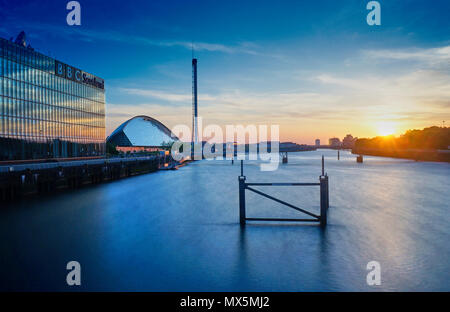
179,231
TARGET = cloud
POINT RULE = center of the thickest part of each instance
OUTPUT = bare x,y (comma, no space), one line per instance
116,36
235,105
166,96
418,84
359,84
430,56
200,46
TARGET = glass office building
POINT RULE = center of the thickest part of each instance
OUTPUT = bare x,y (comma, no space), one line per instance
47,109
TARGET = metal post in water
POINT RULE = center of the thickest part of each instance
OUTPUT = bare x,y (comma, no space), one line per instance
323,166
324,203
242,200
328,194
338,155
241,179
284,156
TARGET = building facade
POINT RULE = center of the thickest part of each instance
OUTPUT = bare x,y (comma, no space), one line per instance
47,108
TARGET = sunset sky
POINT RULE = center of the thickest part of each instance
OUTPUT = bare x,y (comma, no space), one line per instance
313,67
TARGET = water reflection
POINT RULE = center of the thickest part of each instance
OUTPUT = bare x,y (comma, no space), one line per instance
179,230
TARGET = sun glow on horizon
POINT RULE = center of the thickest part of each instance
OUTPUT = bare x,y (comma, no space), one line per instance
386,128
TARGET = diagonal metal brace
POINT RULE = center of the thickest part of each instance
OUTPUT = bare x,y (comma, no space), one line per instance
282,202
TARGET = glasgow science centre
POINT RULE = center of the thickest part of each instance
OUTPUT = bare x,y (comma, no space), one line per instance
48,109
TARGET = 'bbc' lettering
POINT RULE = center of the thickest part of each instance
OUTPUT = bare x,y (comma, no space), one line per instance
60,69
72,73
69,73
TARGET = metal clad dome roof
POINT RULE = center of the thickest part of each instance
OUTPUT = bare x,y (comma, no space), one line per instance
142,131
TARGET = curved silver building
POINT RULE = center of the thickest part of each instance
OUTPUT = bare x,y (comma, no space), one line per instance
141,133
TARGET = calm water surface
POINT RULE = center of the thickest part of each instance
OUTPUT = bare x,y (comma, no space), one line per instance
178,230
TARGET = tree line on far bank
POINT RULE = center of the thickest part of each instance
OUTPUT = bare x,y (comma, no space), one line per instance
432,138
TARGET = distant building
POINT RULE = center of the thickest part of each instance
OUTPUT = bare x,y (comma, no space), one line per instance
334,142
317,142
348,141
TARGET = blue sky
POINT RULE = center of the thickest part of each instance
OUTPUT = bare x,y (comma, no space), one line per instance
313,67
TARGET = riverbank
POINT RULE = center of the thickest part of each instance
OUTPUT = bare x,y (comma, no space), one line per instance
415,154
37,178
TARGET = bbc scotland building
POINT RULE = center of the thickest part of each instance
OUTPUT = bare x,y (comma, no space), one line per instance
48,110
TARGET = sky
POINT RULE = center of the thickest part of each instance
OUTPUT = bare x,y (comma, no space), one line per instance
315,68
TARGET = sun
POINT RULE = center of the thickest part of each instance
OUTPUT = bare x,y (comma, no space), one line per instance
386,128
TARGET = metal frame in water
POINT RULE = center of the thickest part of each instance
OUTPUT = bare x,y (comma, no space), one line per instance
324,199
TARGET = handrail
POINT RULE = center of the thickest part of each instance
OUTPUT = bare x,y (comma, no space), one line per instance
283,184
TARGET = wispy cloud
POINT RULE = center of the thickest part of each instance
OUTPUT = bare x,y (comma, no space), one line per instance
430,56
88,35
235,105
164,95
418,84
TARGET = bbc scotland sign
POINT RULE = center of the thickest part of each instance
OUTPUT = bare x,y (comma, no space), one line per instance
75,74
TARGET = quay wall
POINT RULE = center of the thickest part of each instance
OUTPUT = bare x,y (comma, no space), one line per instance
26,179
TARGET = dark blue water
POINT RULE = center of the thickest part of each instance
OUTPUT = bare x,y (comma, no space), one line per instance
178,230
